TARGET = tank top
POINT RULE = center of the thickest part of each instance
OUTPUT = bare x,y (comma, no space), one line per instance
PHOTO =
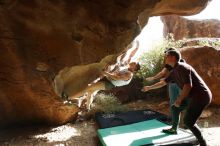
118,83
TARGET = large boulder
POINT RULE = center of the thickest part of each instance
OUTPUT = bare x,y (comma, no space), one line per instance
188,28
38,38
206,61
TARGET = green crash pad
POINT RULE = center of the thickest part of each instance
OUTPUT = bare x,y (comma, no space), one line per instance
142,133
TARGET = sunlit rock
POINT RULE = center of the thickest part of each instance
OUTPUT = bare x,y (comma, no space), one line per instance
205,59
188,28
63,34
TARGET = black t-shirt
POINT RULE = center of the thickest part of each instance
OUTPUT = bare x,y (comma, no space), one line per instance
182,74
169,68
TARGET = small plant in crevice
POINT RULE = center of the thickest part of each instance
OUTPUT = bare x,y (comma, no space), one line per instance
170,42
203,43
217,43
208,43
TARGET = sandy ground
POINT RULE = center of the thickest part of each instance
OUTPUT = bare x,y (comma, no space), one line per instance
84,133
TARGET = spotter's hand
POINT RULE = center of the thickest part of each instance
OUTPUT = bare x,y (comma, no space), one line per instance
145,88
149,79
177,103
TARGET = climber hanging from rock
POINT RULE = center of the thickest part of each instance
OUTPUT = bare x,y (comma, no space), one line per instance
83,82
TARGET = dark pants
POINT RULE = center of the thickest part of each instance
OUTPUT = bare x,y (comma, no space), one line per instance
175,113
196,105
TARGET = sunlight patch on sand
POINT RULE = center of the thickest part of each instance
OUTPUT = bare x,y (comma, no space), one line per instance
61,133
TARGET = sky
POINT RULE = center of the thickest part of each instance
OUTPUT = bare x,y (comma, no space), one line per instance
212,11
153,31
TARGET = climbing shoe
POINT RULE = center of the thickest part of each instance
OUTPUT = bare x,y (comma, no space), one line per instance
169,131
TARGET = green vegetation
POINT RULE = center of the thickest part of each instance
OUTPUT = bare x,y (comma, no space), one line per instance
217,43
208,43
153,61
203,43
108,103
169,42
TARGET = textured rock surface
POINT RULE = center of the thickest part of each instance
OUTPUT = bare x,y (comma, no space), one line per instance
61,33
206,61
184,28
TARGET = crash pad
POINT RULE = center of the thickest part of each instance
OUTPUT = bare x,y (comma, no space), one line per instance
142,133
107,120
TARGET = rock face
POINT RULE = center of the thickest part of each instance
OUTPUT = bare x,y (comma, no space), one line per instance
40,37
183,28
207,63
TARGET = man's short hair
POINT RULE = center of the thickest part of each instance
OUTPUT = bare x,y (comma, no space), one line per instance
169,49
137,65
174,53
